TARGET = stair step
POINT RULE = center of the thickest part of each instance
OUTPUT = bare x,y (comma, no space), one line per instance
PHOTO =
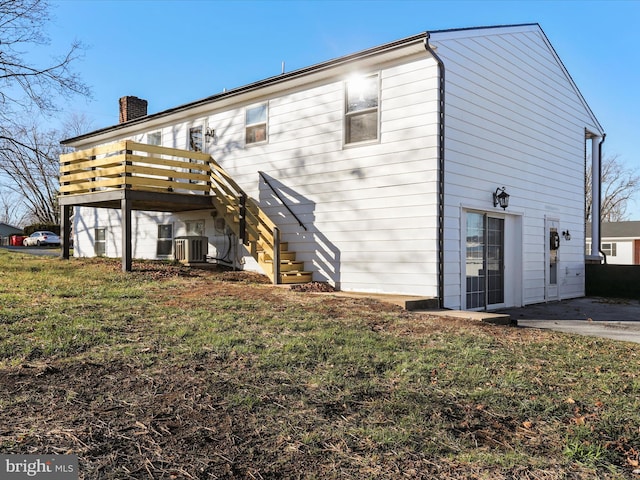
288,265
284,247
289,256
295,277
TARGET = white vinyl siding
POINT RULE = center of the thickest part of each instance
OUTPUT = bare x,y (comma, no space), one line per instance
514,120
370,211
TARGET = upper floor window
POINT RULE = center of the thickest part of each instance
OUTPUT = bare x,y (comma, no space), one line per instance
256,124
195,139
361,109
154,138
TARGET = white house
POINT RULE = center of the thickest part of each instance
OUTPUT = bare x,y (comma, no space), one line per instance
620,242
383,170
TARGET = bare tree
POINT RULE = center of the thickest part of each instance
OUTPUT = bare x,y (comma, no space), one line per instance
11,211
28,89
32,168
619,184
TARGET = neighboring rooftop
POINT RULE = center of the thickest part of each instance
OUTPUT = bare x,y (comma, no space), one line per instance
619,229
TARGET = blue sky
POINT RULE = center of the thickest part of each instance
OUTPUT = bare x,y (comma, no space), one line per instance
174,52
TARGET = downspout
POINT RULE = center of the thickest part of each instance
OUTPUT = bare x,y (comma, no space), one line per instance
604,255
441,117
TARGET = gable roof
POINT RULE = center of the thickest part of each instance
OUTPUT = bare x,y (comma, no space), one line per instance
6,229
387,51
629,229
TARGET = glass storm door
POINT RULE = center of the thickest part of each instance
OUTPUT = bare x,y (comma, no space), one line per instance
484,261
553,242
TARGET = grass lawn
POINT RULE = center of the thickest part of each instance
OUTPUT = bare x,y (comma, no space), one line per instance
171,373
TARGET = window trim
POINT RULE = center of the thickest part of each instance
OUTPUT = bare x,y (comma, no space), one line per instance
347,114
248,125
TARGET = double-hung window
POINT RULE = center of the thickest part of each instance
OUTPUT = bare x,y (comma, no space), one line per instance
100,242
154,138
195,145
195,227
610,249
256,124
165,240
361,109
195,139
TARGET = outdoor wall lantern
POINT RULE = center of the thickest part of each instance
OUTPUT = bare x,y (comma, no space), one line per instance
210,134
500,197
566,235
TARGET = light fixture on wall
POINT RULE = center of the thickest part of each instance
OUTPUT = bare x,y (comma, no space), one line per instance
500,197
210,133
566,235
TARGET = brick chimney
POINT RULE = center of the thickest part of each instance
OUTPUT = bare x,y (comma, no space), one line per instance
132,107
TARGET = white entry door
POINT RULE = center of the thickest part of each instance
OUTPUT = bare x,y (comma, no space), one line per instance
552,238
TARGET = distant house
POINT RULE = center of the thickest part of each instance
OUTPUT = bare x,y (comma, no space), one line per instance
620,242
6,231
444,165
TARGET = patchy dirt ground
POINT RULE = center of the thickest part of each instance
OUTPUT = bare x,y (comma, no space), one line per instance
130,419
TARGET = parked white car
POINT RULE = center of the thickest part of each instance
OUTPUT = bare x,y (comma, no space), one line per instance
41,238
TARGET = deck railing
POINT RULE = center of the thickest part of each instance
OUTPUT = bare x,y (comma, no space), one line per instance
137,166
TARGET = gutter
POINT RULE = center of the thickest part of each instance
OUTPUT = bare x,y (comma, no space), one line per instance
256,86
441,150
604,255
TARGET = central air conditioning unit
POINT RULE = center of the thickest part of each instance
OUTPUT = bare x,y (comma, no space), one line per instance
191,249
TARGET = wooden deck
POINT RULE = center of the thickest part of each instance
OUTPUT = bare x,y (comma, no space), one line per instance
130,176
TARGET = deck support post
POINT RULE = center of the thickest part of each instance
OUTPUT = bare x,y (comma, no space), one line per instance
126,234
65,230
276,256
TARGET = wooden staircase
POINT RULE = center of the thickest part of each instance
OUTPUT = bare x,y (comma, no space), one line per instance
136,176
291,270
255,229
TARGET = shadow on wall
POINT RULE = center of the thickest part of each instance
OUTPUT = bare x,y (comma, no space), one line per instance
109,219
294,214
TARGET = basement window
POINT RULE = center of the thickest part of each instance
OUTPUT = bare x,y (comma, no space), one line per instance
256,124
165,240
361,109
100,242
195,228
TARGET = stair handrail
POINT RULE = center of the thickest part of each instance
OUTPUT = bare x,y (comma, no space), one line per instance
263,176
258,228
